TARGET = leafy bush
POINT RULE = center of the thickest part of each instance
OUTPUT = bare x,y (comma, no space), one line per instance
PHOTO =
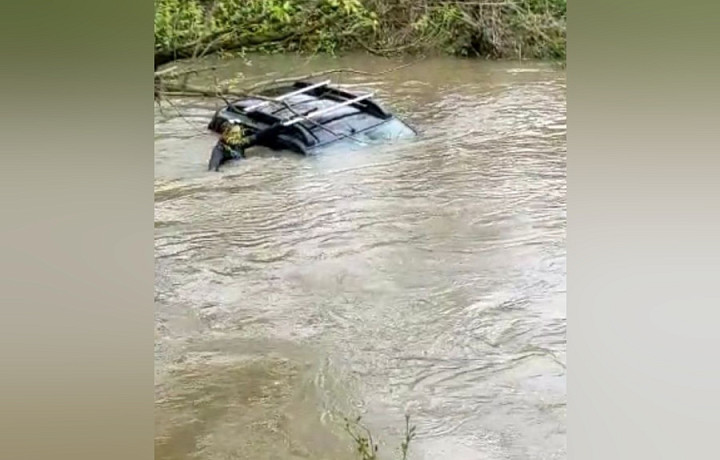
312,25
516,28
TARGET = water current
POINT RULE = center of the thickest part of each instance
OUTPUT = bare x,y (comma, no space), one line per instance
425,277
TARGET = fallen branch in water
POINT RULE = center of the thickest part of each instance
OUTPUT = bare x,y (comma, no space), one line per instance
224,40
195,91
173,72
182,89
389,51
323,73
167,71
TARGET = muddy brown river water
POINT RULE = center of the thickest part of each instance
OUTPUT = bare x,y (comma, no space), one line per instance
426,277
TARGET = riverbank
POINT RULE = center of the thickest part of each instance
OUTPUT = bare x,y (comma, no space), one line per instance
520,29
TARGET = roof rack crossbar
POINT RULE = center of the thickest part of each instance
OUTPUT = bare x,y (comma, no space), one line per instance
287,95
332,108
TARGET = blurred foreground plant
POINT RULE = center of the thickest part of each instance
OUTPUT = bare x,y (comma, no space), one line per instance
366,447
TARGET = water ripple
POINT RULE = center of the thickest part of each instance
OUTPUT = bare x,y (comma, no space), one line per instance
430,273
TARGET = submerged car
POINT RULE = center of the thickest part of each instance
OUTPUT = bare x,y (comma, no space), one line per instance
307,118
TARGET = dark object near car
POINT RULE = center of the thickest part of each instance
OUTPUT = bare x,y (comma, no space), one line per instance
309,117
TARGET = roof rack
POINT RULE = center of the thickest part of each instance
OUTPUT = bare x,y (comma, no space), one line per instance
336,98
332,108
287,95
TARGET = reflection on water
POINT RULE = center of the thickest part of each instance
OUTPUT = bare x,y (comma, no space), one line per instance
426,276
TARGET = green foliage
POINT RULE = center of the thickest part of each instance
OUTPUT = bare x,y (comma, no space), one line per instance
539,27
444,27
366,447
315,25
409,436
497,29
177,22
517,28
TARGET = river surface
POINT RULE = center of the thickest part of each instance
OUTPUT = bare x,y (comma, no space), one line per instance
426,277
